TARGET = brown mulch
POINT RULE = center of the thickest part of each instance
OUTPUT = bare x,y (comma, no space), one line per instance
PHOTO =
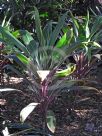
84,118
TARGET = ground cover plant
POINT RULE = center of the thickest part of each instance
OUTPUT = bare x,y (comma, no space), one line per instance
41,58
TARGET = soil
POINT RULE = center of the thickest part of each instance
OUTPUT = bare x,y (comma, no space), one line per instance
77,113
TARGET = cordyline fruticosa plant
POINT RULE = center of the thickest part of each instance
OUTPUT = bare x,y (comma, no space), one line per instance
83,65
42,57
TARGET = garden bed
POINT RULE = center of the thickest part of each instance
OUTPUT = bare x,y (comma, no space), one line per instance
84,119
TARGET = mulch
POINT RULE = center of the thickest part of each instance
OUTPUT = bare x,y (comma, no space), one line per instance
77,114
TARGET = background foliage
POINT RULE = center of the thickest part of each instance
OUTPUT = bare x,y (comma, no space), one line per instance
19,13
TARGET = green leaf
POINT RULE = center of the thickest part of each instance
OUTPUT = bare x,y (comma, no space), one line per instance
44,14
57,30
66,38
38,28
97,36
70,36
97,24
16,34
51,120
33,48
87,26
26,111
14,40
23,58
47,31
74,20
66,72
26,36
96,45
75,25
62,41
92,43
89,54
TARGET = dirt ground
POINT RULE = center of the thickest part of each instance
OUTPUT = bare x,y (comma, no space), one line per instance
84,119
